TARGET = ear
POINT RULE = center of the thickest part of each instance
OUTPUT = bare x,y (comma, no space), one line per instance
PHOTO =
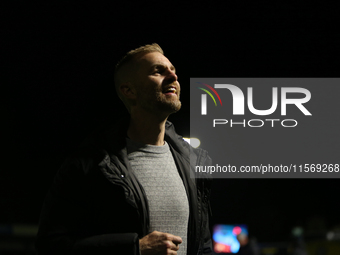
127,90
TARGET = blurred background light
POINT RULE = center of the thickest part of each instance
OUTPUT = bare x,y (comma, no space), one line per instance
194,142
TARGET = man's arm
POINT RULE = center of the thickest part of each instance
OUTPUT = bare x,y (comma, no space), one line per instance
65,213
207,248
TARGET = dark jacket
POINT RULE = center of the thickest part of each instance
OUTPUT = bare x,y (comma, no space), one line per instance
97,206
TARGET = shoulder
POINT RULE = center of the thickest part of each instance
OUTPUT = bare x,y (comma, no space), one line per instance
196,156
179,143
107,140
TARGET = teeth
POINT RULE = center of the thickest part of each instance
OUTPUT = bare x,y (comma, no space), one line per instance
172,89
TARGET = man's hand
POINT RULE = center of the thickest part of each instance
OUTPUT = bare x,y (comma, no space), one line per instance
159,243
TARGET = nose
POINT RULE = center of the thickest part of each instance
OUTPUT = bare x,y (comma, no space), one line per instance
172,75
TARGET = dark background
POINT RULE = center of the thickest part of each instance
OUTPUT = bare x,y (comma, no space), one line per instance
57,86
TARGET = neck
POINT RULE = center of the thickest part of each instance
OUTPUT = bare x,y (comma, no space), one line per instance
147,128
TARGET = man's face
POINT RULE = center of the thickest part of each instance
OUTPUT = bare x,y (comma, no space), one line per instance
156,84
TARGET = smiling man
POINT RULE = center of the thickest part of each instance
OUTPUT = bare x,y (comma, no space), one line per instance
129,189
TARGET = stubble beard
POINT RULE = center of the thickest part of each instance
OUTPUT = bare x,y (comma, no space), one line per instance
162,105
169,105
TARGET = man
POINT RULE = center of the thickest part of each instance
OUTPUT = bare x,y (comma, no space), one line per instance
128,190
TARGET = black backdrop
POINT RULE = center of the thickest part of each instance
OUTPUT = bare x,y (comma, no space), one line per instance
57,85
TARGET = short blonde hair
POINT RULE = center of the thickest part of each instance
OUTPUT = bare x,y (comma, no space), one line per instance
121,72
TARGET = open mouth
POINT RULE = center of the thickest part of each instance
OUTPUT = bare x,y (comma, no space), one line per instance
170,91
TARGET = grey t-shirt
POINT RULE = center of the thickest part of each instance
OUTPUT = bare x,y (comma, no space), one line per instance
156,171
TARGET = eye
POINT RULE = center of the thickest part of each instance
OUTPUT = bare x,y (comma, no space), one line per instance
157,72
